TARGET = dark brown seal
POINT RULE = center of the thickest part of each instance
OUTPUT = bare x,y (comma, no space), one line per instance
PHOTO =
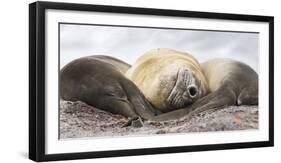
99,82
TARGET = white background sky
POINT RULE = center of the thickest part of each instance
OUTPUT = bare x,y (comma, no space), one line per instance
128,43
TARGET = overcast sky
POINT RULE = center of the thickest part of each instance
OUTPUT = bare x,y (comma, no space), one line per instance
128,44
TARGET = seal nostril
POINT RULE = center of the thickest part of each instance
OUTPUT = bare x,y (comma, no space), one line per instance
192,91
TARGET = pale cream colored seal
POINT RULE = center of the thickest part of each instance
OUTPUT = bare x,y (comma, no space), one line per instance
169,79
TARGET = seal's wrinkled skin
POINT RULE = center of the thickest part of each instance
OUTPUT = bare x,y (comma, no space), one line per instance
169,79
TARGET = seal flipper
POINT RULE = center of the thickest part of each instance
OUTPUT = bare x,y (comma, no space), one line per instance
120,106
248,96
173,115
224,96
141,105
215,100
134,122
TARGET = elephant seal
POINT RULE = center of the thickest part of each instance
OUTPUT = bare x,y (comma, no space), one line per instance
230,83
169,79
99,81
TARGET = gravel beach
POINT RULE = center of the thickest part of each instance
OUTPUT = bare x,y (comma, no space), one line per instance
79,120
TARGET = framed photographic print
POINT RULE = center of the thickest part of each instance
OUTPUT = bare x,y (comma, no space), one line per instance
109,81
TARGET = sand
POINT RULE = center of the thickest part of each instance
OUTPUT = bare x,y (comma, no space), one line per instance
79,120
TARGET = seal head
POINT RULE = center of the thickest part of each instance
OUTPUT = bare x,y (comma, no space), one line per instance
169,79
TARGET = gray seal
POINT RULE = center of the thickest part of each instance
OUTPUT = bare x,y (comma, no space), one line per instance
99,82
230,83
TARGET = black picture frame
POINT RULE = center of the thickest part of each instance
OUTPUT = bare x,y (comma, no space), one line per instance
37,87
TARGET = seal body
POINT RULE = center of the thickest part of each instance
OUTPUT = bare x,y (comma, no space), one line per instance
99,82
230,83
169,79
236,77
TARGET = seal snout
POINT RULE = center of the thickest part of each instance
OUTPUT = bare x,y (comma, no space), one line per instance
192,91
